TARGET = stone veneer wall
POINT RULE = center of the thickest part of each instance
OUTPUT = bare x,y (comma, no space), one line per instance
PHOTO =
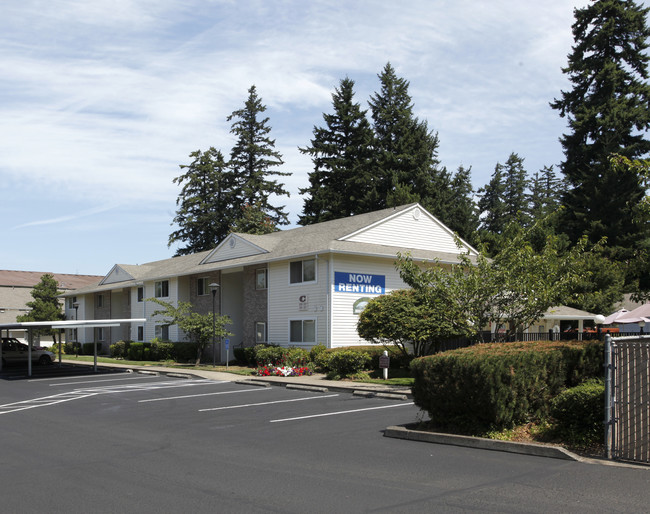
255,305
203,304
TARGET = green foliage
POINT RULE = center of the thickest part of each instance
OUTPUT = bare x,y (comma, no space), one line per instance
278,356
199,328
245,356
254,160
607,113
316,351
206,204
579,412
343,363
119,349
253,220
45,305
136,351
495,386
342,156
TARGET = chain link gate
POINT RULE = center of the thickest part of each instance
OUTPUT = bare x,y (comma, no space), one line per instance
627,398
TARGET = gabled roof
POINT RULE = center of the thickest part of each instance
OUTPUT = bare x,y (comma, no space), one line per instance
10,278
342,236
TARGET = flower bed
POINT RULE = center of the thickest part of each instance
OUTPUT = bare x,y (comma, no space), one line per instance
283,371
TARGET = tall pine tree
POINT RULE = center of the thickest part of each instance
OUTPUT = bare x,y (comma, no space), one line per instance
607,112
255,161
206,205
406,167
342,156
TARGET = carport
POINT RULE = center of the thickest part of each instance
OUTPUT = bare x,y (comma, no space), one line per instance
30,326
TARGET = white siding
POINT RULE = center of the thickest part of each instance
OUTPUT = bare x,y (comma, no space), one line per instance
226,250
285,304
344,324
117,274
409,230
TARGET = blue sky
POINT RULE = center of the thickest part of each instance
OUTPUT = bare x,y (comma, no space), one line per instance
101,101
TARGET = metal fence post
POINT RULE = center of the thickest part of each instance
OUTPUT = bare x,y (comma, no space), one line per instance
608,396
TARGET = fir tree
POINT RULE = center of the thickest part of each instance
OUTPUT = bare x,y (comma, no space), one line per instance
545,193
515,184
406,167
206,205
607,113
461,214
254,160
342,156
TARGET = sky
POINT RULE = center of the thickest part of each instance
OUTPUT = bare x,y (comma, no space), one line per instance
101,101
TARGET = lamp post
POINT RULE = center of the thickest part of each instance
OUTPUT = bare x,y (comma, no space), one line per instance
213,287
641,326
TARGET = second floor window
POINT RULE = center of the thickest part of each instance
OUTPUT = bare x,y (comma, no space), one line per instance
203,287
100,301
302,271
162,289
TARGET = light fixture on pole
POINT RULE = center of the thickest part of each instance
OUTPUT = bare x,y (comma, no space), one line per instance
641,326
213,287
76,310
598,320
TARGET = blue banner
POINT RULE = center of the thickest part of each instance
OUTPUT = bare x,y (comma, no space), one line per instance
361,283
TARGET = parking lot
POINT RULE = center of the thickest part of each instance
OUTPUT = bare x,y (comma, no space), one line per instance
74,441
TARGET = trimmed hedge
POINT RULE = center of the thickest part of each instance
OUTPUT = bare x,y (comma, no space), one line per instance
499,385
579,412
397,358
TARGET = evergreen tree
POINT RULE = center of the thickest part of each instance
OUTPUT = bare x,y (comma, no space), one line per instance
253,220
406,167
607,113
515,184
206,204
461,213
254,160
545,193
45,305
492,209
342,156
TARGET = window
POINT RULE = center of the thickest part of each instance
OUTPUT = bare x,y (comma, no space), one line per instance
302,331
100,334
100,301
260,332
140,333
140,294
302,271
71,302
260,279
162,289
162,332
203,287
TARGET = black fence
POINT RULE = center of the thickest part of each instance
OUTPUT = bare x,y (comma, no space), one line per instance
491,337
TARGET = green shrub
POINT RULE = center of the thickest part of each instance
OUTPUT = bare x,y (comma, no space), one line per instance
136,351
119,349
245,356
72,348
495,386
89,348
397,358
163,351
316,351
344,363
579,412
279,356
184,352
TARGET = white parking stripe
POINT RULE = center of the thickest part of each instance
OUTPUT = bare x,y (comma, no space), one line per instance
269,403
202,394
52,379
139,377
340,412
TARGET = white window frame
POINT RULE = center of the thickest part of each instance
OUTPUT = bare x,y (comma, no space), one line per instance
261,272
302,272
140,294
202,284
159,289
302,330
162,332
262,325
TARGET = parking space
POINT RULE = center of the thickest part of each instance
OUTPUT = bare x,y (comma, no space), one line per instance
200,400
128,442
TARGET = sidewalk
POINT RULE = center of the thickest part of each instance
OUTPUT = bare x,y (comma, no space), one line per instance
315,381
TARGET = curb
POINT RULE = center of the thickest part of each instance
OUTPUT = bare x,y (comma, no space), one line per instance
537,450
302,387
